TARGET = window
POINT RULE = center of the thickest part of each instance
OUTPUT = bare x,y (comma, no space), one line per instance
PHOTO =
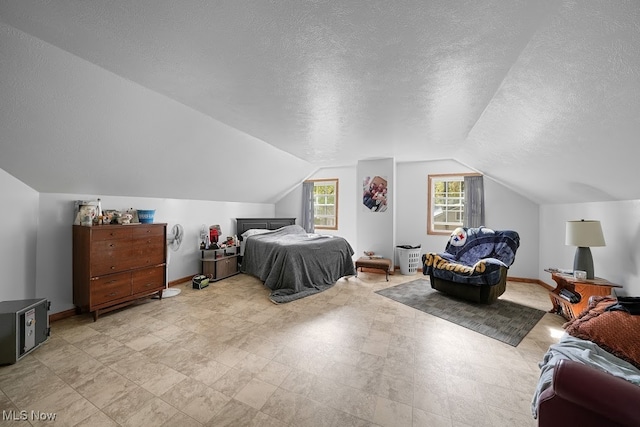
325,204
446,203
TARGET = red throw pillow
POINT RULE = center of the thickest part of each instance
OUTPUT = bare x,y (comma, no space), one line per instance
617,331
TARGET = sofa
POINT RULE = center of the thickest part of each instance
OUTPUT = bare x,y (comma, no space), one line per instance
591,377
583,396
474,263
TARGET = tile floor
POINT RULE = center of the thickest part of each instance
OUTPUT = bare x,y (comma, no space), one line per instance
226,356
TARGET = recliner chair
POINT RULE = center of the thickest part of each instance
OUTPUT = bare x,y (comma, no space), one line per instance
474,265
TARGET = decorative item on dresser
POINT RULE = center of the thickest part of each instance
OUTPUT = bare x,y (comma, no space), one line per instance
114,265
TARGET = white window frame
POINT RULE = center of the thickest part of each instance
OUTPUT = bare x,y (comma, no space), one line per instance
455,202
317,203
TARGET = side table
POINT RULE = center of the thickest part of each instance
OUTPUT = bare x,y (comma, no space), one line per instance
383,264
585,288
220,263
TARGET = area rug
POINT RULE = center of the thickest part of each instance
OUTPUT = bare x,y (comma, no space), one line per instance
503,320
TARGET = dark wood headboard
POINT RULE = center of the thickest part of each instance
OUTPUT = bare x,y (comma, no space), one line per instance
244,224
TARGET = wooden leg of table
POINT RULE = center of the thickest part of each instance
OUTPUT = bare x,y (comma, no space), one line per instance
554,305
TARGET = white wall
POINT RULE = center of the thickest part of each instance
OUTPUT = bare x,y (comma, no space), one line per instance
53,270
412,202
505,209
376,230
18,239
618,261
35,251
291,204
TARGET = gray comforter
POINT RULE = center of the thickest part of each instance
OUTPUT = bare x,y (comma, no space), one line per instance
294,264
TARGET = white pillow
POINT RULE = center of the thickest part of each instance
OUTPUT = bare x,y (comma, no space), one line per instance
254,231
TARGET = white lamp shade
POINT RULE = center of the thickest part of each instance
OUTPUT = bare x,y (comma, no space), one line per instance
584,233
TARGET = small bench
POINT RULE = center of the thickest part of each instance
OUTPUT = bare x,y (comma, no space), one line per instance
376,263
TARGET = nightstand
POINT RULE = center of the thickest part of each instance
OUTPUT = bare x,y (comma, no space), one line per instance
585,288
220,263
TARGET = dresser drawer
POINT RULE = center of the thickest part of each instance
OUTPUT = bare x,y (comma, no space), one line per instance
142,231
110,288
110,256
109,233
148,279
147,252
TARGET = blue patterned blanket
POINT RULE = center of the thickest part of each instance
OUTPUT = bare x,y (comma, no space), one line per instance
473,256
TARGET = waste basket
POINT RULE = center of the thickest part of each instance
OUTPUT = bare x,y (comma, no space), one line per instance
409,259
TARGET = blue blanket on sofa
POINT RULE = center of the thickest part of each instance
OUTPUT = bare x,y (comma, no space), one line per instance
473,256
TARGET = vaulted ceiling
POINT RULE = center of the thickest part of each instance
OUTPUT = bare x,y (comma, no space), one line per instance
541,95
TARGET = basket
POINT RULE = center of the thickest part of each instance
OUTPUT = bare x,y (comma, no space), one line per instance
146,216
409,260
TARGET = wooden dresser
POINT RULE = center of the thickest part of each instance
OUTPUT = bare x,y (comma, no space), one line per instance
114,265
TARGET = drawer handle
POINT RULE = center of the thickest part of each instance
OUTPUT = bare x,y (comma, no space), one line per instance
111,245
111,281
148,285
113,267
113,294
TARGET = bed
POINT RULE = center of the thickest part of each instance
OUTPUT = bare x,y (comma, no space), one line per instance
291,262
245,224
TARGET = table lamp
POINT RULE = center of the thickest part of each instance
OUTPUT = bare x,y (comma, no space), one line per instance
584,234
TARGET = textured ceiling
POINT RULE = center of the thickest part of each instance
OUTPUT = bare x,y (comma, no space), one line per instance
543,96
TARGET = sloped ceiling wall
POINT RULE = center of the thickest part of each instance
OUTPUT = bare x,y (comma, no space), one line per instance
70,126
543,96
564,124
